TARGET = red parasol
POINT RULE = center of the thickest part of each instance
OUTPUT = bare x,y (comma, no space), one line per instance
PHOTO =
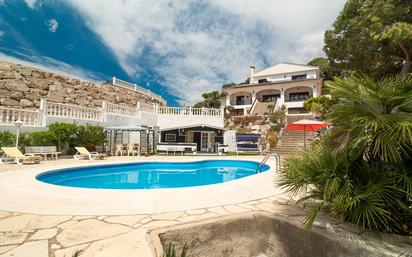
307,125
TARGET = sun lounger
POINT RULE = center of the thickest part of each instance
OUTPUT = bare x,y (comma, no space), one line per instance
83,153
13,155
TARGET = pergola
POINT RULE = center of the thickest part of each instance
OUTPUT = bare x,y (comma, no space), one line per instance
148,137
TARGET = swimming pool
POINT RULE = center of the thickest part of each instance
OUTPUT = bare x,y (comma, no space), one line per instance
150,175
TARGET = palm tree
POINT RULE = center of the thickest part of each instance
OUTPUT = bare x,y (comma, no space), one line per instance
361,171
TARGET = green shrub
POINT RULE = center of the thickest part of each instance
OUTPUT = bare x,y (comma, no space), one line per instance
62,134
89,136
7,138
40,138
362,171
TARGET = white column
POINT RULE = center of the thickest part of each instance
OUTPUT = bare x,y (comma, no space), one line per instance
282,96
104,111
315,91
253,96
227,99
43,112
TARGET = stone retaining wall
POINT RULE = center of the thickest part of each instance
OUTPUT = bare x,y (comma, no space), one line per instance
23,86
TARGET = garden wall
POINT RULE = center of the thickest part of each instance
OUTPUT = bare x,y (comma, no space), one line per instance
23,86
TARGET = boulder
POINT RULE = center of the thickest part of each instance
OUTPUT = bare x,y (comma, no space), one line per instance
15,85
25,103
7,75
55,98
9,102
16,95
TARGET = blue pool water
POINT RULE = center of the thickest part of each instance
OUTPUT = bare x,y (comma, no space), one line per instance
152,174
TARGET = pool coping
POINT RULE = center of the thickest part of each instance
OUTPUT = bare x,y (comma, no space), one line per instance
21,192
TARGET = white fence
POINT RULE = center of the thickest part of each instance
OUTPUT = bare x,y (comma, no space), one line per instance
143,114
141,90
8,116
73,112
189,111
120,110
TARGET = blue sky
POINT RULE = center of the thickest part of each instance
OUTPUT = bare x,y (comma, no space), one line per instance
176,48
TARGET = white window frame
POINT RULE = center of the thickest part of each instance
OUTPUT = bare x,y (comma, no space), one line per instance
169,140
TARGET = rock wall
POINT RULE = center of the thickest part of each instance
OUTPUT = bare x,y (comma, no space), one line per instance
23,87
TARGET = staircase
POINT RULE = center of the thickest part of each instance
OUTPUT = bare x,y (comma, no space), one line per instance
261,107
292,141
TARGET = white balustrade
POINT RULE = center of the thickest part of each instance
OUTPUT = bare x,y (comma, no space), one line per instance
189,111
120,110
39,117
73,112
8,116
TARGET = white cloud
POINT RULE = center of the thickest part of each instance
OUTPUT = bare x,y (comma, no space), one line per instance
52,25
52,65
195,46
1,33
31,3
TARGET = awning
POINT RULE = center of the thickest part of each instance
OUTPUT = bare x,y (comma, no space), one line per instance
132,128
193,126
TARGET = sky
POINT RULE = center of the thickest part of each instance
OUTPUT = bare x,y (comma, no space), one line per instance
176,48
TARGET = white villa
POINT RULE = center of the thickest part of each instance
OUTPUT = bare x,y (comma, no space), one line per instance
282,84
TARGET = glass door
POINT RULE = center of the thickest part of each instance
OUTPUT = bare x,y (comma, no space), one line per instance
204,141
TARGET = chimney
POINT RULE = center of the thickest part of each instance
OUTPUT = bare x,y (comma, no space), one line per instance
252,73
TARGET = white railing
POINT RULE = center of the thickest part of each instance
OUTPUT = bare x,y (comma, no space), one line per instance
139,89
120,110
189,111
73,112
8,116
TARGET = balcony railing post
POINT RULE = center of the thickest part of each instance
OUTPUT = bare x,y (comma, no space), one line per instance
43,112
104,111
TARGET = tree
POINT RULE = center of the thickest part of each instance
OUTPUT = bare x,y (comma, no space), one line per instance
62,133
319,105
362,170
211,100
89,136
372,36
326,70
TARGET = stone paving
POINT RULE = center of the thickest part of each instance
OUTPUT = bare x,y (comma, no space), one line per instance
27,235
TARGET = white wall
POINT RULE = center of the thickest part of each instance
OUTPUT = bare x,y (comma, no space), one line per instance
172,121
285,77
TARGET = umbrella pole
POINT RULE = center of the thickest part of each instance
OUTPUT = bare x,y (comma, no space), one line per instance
304,136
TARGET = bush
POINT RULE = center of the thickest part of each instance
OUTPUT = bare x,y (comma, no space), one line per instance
89,136
7,138
40,138
362,171
62,134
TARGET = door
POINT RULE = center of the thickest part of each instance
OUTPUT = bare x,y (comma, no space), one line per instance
205,141
197,139
240,100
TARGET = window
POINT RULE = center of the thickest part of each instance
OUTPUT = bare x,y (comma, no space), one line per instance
270,98
262,81
170,137
299,77
298,96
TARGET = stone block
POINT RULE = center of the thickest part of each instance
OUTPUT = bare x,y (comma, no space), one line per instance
16,85
55,98
25,103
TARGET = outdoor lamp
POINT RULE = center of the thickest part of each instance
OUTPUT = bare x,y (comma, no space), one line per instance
18,123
